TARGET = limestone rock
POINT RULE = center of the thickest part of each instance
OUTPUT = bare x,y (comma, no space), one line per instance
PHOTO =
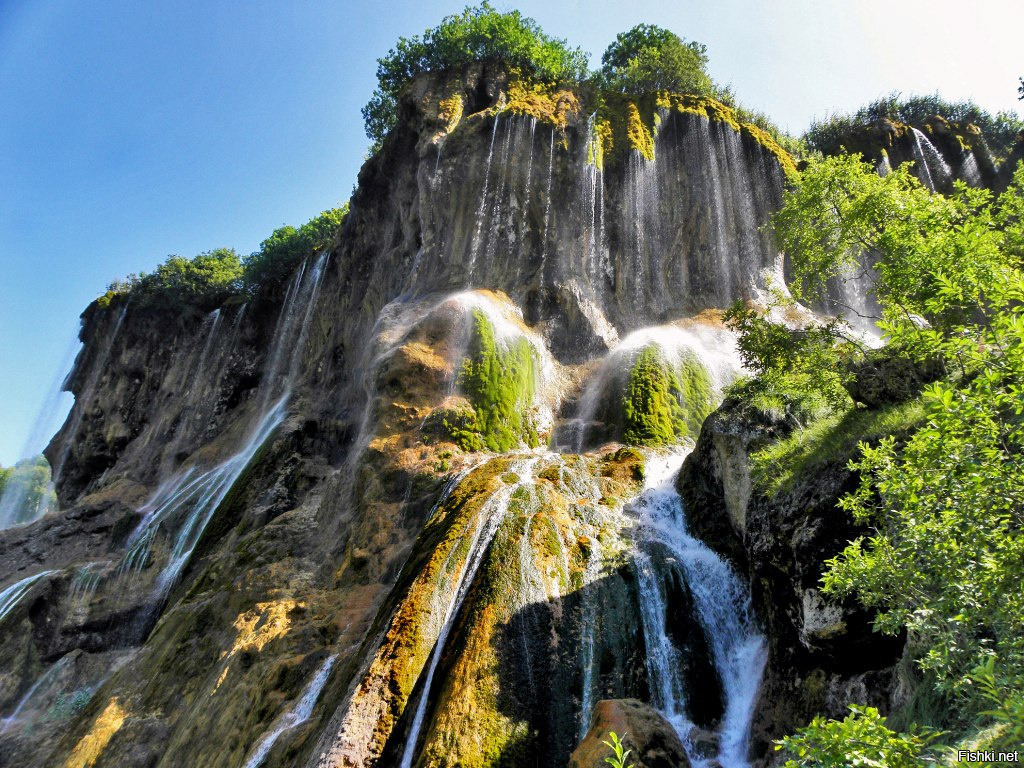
651,739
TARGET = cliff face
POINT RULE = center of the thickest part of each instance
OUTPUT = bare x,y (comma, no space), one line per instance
318,528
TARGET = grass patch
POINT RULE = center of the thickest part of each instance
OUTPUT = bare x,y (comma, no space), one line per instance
828,440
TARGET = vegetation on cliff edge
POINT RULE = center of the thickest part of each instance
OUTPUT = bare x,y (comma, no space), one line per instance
208,280
479,33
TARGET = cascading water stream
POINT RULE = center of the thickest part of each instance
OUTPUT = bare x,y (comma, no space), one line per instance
482,209
547,208
86,393
930,163
54,409
42,683
721,602
12,594
488,520
197,495
295,716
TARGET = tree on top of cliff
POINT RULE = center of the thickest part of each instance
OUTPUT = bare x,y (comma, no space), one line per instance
479,33
651,58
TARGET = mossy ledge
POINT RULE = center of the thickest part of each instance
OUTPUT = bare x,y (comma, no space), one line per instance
623,121
631,122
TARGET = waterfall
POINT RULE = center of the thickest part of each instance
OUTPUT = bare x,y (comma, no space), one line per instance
196,495
721,602
596,260
969,170
482,208
932,169
295,716
547,207
641,223
713,348
96,370
12,594
43,682
487,522
47,421
587,642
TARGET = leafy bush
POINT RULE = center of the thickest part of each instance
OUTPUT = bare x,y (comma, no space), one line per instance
479,33
210,278
282,252
946,556
204,281
860,739
649,58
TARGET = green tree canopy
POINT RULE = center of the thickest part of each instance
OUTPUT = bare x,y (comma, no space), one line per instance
945,557
650,58
280,253
25,491
479,33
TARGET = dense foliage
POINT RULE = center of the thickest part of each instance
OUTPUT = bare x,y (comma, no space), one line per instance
25,491
479,33
209,279
860,739
1000,130
946,559
280,253
649,58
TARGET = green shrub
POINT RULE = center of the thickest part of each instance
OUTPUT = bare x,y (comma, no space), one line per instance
649,58
285,249
1000,130
479,33
204,281
860,739
211,278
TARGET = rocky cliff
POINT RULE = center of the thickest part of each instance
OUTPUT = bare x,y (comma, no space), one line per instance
321,527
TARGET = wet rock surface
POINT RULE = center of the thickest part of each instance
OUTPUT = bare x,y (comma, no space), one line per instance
649,737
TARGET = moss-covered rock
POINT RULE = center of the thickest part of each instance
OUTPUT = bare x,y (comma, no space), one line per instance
664,402
500,378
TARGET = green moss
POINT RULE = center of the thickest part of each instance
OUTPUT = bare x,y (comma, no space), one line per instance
630,122
500,382
662,402
647,405
829,440
698,395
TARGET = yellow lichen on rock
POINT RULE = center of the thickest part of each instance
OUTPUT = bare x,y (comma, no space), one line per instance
258,627
547,103
641,138
91,746
450,111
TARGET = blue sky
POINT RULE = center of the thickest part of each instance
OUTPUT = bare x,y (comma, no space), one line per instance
130,131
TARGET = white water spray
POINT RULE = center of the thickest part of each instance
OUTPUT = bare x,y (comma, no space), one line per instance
722,605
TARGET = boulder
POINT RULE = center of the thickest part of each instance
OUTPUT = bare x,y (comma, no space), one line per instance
883,377
649,737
